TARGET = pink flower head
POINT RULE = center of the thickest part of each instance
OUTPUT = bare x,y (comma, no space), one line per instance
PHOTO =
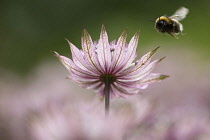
101,62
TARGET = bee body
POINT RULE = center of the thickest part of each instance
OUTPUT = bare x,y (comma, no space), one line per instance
171,25
167,25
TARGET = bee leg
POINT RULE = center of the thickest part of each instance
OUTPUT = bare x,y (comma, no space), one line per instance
183,33
174,35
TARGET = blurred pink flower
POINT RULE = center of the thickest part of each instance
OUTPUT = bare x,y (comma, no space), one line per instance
102,64
77,121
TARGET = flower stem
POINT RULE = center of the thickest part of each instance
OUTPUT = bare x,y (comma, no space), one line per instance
107,96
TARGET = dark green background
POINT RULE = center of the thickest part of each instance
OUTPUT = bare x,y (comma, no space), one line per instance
30,29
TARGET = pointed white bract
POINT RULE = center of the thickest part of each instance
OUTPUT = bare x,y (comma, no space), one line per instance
99,61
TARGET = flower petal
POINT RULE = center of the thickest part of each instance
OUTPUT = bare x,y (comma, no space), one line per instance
153,77
129,55
119,50
131,50
86,41
141,63
95,85
140,73
132,85
89,50
64,60
125,90
104,50
74,69
78,59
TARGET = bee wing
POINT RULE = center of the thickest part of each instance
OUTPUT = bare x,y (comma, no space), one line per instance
180,14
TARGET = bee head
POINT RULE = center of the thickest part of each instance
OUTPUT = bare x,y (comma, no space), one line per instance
161,22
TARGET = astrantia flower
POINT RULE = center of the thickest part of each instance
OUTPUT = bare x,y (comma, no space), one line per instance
108,68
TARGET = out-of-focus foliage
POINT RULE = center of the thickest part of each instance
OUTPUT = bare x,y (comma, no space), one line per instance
29,30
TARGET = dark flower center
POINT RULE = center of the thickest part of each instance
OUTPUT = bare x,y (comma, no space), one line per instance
108,78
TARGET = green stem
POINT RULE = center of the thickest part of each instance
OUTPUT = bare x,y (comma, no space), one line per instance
107,97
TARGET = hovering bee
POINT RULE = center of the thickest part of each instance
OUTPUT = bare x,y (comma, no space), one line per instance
171,25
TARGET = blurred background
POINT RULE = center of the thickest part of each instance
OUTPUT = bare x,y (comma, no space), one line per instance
31,77
29,30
